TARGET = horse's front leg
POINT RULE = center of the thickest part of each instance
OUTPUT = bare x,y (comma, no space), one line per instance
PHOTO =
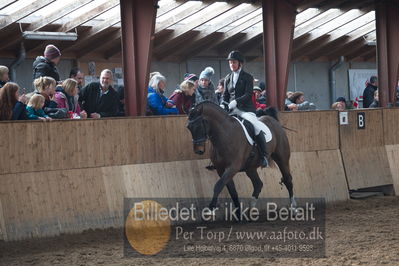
226,177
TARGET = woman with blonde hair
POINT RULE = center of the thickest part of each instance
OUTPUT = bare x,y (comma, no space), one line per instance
12,106
3,75
182,98
340,106
34,109
66,97
45,86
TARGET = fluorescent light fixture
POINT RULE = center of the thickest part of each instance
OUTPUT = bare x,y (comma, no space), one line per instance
372,43
46,35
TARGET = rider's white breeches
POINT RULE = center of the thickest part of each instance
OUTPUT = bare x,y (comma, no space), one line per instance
251,117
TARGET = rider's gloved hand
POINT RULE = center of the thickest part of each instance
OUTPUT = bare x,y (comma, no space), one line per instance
232,104
224,105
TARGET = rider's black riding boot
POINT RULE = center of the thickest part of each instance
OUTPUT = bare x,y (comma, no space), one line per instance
261,141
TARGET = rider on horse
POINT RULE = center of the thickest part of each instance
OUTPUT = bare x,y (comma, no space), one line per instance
238,94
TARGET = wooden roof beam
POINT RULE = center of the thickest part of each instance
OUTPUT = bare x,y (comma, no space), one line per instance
371,54
366,49
191,9
349,46
205,33
325,17
89,15
165,8
227,35
346,39
94,31
6,3
251,34
202,18
337,27
23,12
308,4
116,35
113,51
59,13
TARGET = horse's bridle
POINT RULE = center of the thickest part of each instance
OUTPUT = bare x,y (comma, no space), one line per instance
201,120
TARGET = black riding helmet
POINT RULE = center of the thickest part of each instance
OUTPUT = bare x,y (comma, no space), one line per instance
236,55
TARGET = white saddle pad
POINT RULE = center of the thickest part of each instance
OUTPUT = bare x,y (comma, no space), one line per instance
265,129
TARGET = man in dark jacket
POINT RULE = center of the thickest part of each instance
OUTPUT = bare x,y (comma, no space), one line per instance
46,65
368,93
99,99
238,93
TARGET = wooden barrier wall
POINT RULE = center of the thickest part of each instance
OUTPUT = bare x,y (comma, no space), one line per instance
391,138
68,176
363,151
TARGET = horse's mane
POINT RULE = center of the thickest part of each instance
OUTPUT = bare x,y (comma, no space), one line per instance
210,104
271,111
207,102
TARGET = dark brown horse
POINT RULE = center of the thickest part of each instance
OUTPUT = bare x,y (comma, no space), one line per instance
231,152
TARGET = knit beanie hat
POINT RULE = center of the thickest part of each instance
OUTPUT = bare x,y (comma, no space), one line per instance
191,77
207,73
51,52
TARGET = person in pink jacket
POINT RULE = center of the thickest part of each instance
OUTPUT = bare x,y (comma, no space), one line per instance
67,97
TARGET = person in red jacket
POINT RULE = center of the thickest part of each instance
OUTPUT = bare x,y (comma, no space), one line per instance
255,95
182,98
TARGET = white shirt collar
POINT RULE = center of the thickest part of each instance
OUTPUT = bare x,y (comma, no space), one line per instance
236,74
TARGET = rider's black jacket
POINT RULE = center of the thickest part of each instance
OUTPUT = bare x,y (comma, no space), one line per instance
242,92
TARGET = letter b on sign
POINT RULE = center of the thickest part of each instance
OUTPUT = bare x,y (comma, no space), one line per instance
361,120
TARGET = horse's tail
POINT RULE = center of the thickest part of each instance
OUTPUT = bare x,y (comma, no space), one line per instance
271,111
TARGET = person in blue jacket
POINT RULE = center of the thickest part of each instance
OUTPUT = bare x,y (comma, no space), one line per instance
157,103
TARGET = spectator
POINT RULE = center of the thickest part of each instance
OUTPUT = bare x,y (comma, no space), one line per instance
99,99
154,73
77,75
12,106
342,100
183,98
368,93
45,66
289,106
375,103
66,98
258,106
156,101
34,109
3,75
148,109
397,94
206,90
193,78
220,90
262,97
298,99
121,94
340,106
46,87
